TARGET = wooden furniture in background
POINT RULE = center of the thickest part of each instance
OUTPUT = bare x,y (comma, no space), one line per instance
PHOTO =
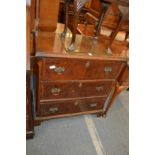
44,14
29,110
43,17
115,19
77,7
61,18
124,17
32,15
94,6
70,84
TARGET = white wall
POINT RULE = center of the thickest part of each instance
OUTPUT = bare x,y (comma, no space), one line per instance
28,2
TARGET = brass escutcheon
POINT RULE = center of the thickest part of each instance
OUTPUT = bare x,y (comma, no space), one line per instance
53,110
100,88
55,91
59,70
107,69
87,64
93,105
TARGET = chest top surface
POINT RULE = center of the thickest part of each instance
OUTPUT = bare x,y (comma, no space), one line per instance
50,45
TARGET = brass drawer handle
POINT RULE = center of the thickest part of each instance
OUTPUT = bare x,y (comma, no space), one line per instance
55,91
53,110
107,69
93,105
59,70
100,88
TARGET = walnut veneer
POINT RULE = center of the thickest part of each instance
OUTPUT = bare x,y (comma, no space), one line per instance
44,14
86,81
75,83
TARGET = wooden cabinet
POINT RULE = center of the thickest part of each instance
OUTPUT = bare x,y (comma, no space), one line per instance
71,84
64,91
115,18
29,112
29,109
44,14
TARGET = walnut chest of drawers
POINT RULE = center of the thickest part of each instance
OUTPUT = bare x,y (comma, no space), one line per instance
71,83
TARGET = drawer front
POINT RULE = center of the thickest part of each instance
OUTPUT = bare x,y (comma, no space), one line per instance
78,69
71,106
59,90
98,88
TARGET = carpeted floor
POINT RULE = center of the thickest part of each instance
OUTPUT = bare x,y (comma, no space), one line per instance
85,135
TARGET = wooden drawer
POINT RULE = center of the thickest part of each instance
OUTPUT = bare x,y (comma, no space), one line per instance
71,106
58,90
97,88
79,69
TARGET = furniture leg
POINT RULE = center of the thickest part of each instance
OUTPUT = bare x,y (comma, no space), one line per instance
127,35
117,91
100,114
102,15
63,34
74,31
113,35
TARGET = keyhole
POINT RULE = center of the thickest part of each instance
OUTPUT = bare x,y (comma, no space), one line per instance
87,64
80,84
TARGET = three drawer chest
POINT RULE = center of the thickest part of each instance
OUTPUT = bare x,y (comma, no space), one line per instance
81,82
